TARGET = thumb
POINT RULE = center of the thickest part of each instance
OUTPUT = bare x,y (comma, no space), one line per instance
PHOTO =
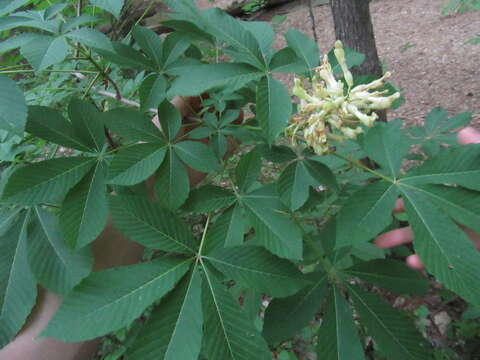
468,135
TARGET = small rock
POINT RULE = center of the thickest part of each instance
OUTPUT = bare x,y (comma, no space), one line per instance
442,320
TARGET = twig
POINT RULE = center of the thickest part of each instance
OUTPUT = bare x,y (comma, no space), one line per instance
118,93
312,20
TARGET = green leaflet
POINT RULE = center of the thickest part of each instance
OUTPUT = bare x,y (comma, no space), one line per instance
394,332
338,336
248,170
132,125
152,91
18,289
284,317
50,125
170,119
385,145
454,165
109,300
87,123
84,211
56,266
391,275
174,46
201,78
45,181
171,182
228,333
257,269
228,230
298,177
87,36
196,155
149,42
147,223
44,51
286,61
274,107
209,198
114,7
126,56
273,229
226,28
366,213
12,5
174,330
136,163
13,109
444,249
305,48
459,203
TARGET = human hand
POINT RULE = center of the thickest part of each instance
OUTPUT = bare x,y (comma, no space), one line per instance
405,235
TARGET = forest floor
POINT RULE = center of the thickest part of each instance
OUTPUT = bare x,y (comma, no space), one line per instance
427,52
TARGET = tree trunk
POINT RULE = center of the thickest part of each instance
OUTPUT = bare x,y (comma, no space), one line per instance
353,26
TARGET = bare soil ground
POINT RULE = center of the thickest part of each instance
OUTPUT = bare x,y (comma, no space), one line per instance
426,51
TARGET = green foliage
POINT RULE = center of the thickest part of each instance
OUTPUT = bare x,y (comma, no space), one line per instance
273,225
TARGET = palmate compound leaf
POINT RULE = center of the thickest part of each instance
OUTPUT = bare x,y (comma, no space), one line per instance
13,109
338,335
391,275
286,316
56,266
257,269
147,223
45,181
84,211
366,213
228,335
274,107
111,299
445,250
174,329
136,163
394,333
18,288
298,177
273,229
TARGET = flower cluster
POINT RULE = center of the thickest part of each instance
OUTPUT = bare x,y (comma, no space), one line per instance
329,111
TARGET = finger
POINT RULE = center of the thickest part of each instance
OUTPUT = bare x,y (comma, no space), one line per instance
468,135
394,238
413,261
399,207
